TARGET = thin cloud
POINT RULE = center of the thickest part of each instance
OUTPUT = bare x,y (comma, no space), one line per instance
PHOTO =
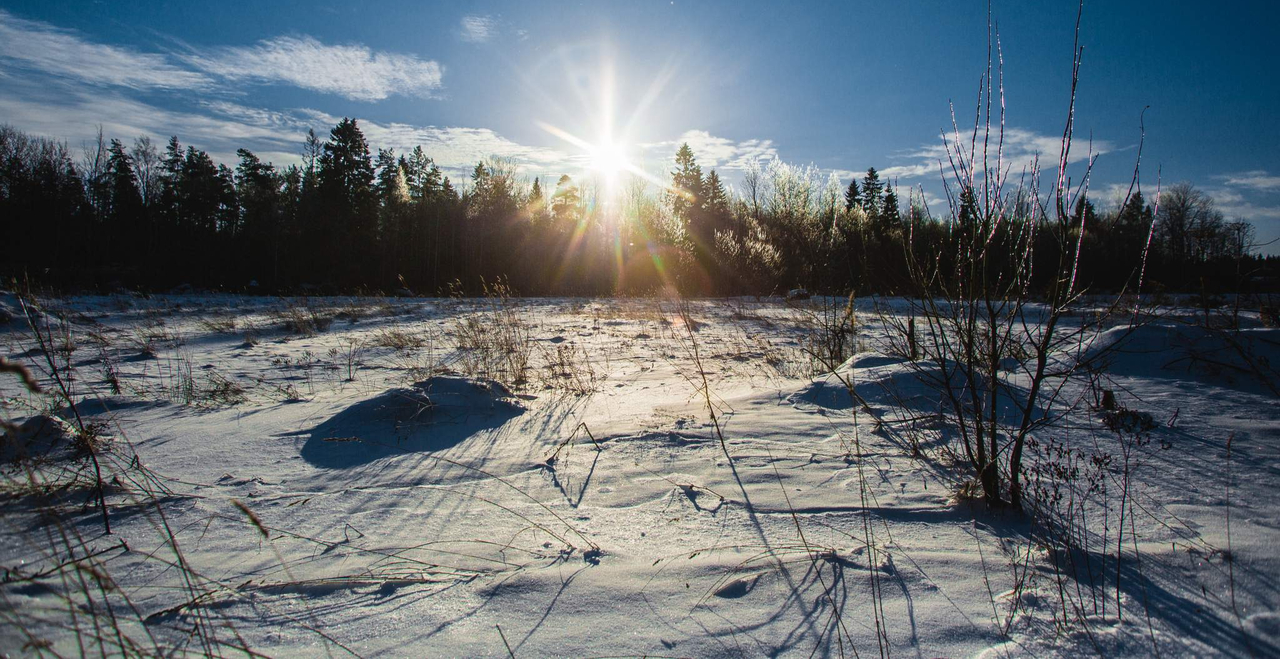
1020,149
1234,205
74,115
1258,179
457,148
352,71
1112,195
478,29
909,171
66,54
1250,211
716,152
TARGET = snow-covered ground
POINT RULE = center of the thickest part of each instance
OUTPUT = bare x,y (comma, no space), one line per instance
334,475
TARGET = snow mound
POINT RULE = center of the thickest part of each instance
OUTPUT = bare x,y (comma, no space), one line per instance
865,368
827,392
10,310
432,415
40,436
1247,359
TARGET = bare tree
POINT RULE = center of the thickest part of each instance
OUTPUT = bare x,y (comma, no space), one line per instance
1240,236
94,167
1189,227
146,165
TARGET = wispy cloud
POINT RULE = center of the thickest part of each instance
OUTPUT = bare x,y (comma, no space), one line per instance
65,53
353,71
478,29
1258,179
716,152
458,148
1112,195
1233,204
1020,149
909,171
74,115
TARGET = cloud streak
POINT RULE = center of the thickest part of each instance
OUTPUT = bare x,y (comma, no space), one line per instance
458,148
352,71
1258,180
478,29
716,152
1021,148
64,53
75,115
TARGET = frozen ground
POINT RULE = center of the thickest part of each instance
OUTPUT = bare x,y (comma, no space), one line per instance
334,476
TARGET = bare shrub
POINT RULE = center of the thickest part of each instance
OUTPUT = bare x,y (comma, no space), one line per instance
304,319
568,367
398,339
494,343
998,309
218,324
830,332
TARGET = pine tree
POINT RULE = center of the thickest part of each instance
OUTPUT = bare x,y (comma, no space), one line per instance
566,205
258,187
1135,211
717,215
851,196
890,215
1132,225
170,175
124,200
312,149
871,187
536,205
687,184
228,203
392,187
716,203
346,180
200,196
421,174
1084,214
535,194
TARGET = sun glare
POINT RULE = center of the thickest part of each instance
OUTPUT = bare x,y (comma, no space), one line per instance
608,159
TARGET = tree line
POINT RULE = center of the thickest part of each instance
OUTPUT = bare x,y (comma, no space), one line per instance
348,218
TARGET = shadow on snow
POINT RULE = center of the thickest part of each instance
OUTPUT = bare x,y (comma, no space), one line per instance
432,415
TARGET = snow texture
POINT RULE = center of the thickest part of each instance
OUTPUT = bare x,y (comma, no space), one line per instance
404,507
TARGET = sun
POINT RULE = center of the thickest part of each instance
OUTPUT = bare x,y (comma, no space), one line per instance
608,159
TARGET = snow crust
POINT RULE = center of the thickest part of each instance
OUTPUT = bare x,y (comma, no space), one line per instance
412,513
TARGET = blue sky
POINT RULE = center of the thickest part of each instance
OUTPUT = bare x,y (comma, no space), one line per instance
840,85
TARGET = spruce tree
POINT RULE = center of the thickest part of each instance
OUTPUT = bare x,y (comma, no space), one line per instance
716,204
258,186
890,215
535,194
346,180
871,187
687,182
851,196
124,201
566,205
